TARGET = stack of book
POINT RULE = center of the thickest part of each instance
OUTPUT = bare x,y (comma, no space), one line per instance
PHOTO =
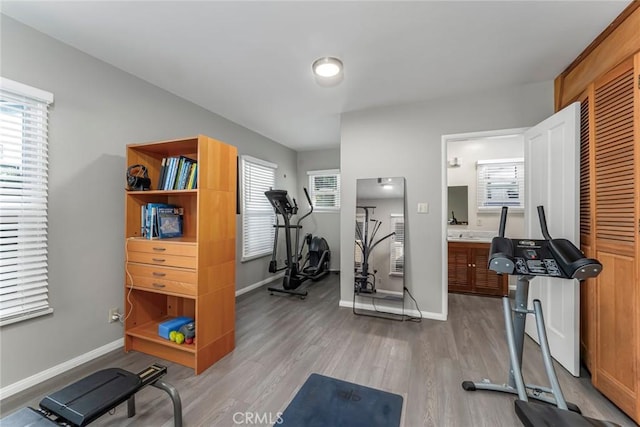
160,221
178,173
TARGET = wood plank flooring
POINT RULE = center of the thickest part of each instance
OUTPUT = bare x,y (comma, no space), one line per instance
280,340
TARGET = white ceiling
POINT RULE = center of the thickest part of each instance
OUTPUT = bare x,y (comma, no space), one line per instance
251,61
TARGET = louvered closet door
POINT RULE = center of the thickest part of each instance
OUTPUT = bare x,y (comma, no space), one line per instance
616,222
587,287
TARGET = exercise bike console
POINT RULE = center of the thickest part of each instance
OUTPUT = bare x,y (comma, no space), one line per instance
540,257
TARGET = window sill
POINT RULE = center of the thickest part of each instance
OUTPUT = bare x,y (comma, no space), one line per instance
27,316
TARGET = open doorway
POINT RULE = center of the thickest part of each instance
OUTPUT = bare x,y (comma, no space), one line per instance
482,172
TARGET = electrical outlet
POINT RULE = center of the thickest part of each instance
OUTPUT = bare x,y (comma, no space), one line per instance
114,315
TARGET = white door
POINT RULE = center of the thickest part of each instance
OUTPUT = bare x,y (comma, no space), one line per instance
552,180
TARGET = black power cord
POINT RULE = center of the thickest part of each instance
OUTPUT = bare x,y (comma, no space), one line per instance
405,318
413,319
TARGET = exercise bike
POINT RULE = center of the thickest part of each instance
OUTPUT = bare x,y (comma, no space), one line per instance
299,265
528,258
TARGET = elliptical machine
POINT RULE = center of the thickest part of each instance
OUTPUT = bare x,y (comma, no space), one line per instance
298,266
528,258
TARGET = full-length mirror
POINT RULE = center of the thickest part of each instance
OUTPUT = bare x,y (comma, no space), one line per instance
379,236
458,205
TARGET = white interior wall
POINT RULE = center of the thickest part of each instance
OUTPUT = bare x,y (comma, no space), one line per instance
98,110
405,141
468,153
324,224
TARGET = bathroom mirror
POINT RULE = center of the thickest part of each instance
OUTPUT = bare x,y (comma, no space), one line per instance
379,236
458,212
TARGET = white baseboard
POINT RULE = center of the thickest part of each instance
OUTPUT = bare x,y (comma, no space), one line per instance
36,379
394,310
259,284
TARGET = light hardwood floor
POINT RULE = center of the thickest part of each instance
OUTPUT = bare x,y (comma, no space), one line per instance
280,340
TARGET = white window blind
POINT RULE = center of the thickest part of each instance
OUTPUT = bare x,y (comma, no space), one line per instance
324,189
23,201
258,215
397,245
500,183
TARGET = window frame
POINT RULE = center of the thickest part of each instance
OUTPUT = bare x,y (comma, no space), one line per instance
313,192
26,288
246,160
483,184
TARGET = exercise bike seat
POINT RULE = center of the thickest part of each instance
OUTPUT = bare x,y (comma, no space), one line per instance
572,261
87,399
543,415
501,259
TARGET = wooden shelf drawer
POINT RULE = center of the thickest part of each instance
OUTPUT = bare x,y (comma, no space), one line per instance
165,286
162,273
164,247
162,259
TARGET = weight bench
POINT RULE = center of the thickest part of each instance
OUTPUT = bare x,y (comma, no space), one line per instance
86,400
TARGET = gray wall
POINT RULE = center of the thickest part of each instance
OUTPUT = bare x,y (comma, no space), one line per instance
406,141
323,224
99,109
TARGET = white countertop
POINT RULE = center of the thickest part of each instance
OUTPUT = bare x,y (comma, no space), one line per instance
469,239
477,236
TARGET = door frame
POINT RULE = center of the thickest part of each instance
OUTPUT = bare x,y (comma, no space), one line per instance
445,197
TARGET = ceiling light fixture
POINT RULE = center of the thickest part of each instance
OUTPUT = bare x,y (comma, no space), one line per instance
327,70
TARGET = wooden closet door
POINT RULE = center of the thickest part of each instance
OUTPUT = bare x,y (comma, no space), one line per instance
587,287
616,230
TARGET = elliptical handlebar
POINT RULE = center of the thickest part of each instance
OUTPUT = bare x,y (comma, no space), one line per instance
503,221
306,193
543,223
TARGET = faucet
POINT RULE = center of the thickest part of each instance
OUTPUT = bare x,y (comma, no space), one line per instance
453,219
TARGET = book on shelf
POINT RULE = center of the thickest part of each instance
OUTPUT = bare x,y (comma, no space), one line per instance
176,173
163,170
169,222
161,220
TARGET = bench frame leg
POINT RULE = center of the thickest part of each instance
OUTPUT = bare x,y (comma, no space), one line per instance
175,398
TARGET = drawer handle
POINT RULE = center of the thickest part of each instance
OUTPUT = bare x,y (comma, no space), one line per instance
159,249
468,265
158,285
155,273
158,259
473,265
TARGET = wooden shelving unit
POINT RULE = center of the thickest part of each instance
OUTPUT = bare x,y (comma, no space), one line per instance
192,275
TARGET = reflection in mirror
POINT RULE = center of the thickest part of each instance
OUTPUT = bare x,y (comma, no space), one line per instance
379,236
458,205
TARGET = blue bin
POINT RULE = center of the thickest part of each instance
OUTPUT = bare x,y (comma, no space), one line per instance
174,324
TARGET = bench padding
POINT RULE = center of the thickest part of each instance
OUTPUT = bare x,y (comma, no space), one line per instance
89,398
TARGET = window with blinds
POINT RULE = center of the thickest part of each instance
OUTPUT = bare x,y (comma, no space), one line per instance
324,189
23,198
500,183
397,245
258,215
